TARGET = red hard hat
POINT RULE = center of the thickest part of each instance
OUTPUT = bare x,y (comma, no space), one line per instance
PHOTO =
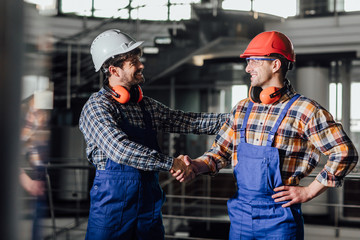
266,43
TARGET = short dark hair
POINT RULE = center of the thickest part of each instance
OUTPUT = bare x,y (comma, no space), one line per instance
284,63
118,60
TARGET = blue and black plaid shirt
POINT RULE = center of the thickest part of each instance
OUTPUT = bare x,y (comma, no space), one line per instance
100,123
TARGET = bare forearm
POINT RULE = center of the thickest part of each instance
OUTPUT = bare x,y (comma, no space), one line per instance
315,189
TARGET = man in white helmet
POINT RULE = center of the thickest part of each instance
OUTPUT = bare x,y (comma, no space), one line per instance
120,127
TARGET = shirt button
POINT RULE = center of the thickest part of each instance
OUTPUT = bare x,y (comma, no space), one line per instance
257,140
95,187
97,174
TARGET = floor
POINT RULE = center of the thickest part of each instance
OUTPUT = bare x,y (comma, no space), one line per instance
69,229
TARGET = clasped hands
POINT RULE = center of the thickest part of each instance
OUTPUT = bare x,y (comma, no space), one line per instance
184,169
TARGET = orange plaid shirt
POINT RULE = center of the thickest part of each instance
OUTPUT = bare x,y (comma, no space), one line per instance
306,131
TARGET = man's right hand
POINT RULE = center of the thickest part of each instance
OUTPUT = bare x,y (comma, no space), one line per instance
182,169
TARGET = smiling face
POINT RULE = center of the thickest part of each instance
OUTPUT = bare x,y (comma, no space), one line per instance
130,73
260,70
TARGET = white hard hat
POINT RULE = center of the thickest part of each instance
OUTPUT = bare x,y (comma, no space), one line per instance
111,43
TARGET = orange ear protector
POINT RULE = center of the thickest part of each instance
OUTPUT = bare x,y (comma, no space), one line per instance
267,96
122,95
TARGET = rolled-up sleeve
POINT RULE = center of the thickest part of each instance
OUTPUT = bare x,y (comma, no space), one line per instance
220,154
330,138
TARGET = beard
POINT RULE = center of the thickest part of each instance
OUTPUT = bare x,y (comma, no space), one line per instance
139,77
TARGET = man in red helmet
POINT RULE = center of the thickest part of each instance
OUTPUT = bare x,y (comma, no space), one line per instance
273,139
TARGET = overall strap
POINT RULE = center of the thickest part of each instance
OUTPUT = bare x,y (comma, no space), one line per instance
150,134
146,116
243,127
271,135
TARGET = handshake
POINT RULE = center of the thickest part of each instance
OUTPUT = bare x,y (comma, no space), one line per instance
185,169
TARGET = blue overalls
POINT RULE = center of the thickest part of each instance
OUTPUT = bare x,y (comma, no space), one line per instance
126,202
252,211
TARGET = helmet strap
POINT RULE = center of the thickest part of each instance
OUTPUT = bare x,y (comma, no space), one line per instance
290,65
104,70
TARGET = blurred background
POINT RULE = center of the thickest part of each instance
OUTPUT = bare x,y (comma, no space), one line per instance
191,58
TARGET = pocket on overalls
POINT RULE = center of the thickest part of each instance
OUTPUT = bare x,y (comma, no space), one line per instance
107,203
273,221
255,172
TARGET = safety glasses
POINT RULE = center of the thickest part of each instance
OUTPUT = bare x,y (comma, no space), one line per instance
255,62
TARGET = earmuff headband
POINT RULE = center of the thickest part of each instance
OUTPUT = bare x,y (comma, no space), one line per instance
112,92
278,92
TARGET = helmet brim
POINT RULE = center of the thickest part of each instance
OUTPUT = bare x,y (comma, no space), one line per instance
120,50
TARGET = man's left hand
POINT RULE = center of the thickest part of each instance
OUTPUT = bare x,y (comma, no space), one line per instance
298,194
292,194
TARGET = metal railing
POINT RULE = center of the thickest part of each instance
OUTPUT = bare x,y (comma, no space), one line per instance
209,209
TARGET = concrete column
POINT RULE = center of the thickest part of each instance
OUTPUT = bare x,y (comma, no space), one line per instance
313,82
344,78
